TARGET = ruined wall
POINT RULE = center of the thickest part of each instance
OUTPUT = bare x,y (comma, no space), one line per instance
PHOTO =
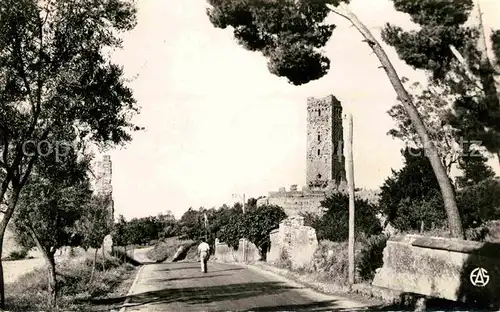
293,205
103,186
324,159
225,253
292,238
440,267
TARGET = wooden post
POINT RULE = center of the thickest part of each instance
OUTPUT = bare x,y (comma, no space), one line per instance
350,177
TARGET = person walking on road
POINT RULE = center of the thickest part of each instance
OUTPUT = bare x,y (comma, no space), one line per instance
203,250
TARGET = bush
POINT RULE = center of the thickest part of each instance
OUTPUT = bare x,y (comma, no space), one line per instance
479,203
30,291
331,262
371,256
334,224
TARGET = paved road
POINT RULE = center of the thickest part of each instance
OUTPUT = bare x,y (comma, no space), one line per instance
226,287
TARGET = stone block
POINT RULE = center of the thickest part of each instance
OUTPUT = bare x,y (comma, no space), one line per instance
441,268
299,242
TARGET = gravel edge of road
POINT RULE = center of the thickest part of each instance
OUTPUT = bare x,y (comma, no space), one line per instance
131,289
320,287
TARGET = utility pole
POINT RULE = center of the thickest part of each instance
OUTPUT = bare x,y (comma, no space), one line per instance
350,170
244,238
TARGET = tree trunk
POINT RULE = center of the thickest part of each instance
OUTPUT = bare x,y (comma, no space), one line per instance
93,267
12,202
447,191
52,279
103,258
2,283
50,263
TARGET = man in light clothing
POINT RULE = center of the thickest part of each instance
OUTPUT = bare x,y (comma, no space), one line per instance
204,251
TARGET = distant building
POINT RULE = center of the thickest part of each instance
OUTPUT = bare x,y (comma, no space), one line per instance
325,160
102,181
325,157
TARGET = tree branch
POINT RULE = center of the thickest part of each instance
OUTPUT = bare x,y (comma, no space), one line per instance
22,72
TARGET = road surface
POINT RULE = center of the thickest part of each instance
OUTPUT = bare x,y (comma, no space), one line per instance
182,286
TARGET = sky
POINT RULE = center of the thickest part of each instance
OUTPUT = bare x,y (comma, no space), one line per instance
218,123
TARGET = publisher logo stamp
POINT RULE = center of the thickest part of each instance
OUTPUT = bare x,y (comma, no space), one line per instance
479,277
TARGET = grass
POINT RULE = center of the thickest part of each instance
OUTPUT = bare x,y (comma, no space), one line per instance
30,291
166,249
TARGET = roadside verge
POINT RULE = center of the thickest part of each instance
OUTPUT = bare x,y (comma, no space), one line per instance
131,290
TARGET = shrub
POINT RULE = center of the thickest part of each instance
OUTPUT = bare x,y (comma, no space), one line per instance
479,203
334,224
30,292
371,256
331,261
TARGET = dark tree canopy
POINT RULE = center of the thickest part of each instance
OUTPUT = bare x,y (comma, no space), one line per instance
288,33
334,224
442,25
411,195
475,168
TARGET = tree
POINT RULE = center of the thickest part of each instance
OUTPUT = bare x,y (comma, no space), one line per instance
438,47
289,34
49,208
408,197
255,225
480,202
258,224
55,78
433,109
120,237
168,225
191,223
334,225
94,225
475,168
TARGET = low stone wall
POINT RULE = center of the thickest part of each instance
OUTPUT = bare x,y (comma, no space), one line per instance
442,268
297,241
294,204
227,254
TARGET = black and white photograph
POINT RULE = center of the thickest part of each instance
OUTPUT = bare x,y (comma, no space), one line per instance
249,155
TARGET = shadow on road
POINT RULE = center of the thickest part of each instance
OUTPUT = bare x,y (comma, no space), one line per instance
235,269
315,306
200,295
161,280
181,268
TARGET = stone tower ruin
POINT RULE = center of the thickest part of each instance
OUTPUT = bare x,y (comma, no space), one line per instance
103,186
325,159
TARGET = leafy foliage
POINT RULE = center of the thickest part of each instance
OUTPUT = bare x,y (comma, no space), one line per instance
58,85
334,224
371,256
476,114
433,109
50,205
95,222
287,33
480,202
475,168
441,24
259,222
411,195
